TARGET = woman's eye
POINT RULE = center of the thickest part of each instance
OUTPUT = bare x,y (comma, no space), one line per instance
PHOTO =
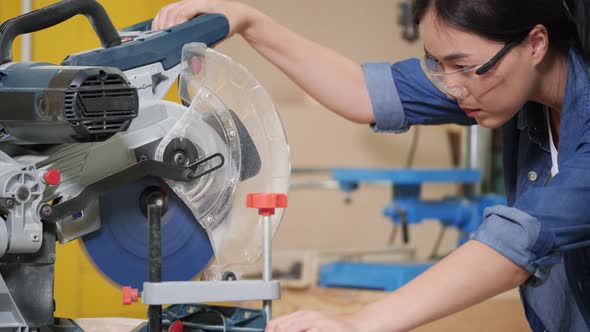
460,67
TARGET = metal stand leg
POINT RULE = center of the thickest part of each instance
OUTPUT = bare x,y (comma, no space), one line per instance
267,273
155,259
266,203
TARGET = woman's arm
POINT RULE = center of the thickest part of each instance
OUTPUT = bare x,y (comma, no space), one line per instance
471,274
333,80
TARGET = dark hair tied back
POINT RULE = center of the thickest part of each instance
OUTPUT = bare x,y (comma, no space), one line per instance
510,20
579,12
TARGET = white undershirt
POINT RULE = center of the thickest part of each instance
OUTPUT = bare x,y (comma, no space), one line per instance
554,166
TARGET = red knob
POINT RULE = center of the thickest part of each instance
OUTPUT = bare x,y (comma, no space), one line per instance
177,326
130,295
266,203
52,177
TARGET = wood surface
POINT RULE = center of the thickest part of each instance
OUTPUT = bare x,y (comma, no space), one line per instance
503,313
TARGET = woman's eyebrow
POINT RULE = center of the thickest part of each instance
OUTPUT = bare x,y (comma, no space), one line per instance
450,57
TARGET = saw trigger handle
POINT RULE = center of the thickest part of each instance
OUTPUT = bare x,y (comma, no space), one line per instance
55,14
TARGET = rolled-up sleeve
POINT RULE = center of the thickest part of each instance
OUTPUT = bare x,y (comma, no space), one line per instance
545,221
517,236
401,95
387,106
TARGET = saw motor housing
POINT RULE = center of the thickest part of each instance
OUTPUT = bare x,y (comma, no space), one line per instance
45,103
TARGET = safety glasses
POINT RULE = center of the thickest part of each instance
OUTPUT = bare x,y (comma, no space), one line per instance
454,83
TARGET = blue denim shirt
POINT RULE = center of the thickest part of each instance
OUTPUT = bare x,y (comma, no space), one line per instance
545,228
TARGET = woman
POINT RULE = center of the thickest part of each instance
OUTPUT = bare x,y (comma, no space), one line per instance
519,65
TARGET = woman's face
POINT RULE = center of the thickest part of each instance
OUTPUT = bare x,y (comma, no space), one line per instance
494,97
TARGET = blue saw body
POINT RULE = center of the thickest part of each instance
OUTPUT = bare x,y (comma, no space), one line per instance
119,248
148,47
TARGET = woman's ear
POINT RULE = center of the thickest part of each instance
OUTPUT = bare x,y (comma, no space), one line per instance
538,43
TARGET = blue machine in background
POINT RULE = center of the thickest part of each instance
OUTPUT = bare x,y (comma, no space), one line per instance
407,207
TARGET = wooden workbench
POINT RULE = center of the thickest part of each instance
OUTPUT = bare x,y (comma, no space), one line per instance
503,313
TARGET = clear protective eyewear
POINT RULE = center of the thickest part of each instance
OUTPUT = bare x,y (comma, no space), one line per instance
454,83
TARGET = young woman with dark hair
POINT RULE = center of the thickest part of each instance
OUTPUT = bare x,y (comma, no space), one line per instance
519,65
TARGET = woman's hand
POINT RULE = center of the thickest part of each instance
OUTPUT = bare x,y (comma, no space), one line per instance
238,14
313,321
335,81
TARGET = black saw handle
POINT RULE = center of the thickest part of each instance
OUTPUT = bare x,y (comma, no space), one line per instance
49,16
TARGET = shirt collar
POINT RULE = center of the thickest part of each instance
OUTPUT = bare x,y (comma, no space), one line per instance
533,119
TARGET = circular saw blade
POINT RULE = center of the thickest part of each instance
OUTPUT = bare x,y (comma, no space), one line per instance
119,248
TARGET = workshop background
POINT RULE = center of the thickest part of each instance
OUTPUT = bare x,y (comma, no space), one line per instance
317,219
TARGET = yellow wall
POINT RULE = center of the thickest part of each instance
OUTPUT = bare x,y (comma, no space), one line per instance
9,9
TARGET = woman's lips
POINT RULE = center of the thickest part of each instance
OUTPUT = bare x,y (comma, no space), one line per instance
472,112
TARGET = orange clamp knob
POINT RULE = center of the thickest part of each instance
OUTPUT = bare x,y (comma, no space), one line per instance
130,295
266,203
52,177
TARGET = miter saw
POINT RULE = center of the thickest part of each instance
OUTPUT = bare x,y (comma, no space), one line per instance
157,190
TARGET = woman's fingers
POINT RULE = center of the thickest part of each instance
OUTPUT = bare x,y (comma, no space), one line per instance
307,321
174,14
